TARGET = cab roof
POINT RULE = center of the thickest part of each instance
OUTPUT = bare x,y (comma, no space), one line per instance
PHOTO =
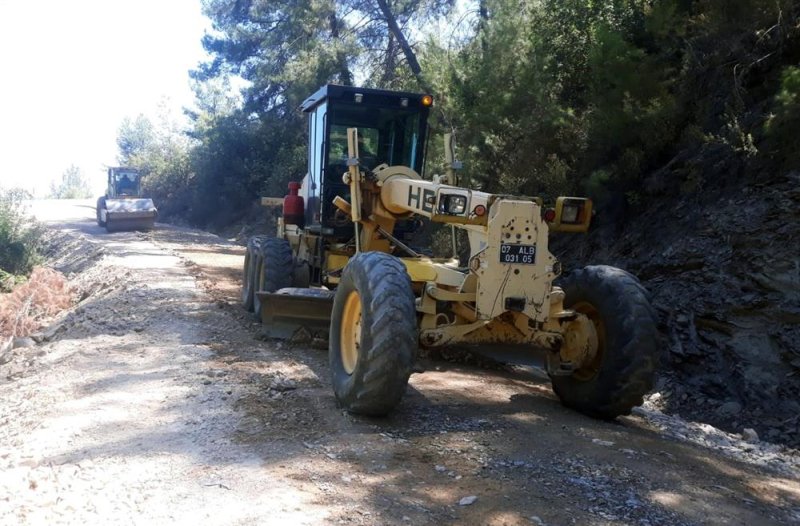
371,97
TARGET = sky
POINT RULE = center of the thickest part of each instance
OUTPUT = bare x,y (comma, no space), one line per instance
72,70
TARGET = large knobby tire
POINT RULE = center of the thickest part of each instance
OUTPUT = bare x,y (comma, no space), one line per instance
373,336
624,367
101,203
274,268
251,256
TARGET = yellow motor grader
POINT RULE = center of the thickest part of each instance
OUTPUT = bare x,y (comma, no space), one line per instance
341,257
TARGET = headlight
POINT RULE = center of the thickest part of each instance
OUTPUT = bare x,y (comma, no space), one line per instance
569,214
452,204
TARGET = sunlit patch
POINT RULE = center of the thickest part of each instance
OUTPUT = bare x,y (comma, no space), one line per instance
441,495
525,418
465,384
774,490
505,518
667,498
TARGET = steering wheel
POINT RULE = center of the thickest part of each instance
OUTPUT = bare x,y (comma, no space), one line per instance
341,218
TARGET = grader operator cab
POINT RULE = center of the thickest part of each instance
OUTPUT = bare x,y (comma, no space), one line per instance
339,259
123,207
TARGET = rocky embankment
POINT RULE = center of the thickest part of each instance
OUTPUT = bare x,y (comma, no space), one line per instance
723,268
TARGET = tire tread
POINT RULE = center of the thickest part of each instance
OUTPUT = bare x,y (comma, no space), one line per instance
628,370
390,335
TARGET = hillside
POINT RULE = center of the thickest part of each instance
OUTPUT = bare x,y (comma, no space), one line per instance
724,274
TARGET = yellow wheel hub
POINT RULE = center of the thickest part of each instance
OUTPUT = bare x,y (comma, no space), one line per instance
591,348
259,276
351,332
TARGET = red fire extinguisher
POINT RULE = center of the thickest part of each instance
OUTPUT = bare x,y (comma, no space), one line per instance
293,205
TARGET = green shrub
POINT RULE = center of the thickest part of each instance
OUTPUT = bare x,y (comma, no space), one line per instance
19,239
781,128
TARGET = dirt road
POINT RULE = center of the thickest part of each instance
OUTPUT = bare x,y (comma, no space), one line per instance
156,401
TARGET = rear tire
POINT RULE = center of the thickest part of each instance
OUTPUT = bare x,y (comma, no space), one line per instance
249,273
101,204
274,268
624,369
373,335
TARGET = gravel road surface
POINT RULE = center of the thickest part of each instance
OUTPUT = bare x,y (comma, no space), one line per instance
155,400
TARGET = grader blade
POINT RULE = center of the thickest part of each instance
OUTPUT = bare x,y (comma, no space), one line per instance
285,311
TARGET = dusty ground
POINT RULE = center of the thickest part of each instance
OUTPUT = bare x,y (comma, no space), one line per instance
156,401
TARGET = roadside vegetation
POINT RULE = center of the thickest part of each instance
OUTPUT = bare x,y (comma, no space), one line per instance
73,185
42,296
29,294
20,240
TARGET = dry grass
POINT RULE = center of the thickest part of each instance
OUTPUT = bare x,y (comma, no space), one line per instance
22,311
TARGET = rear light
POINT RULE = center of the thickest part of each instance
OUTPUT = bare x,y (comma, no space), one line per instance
549,215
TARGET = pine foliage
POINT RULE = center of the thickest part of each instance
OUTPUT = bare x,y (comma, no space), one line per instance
623,99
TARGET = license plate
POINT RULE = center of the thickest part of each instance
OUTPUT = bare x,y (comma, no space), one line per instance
517,254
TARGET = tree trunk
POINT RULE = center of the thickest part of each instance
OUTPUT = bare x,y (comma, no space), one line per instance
411,57
345,75
390,63
483,17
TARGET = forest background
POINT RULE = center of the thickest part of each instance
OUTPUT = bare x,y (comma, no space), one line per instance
548,97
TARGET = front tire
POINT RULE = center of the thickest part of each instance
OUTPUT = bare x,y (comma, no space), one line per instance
274,268
623,369
373,335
